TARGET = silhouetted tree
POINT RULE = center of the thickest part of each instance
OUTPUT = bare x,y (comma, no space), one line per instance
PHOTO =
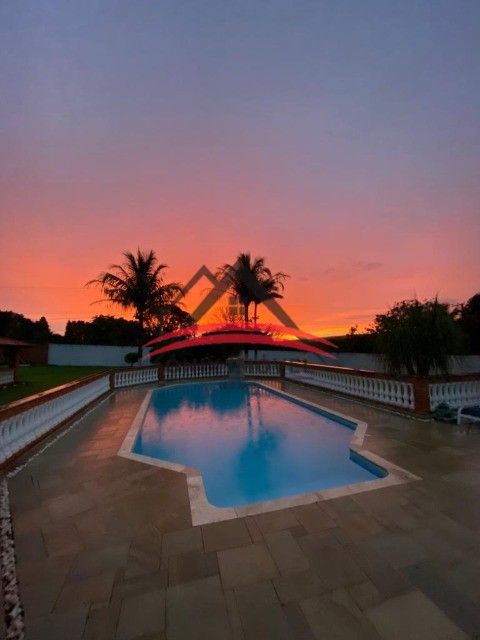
418,336
251,281
137,284
468,318
75,332
16,326
103,330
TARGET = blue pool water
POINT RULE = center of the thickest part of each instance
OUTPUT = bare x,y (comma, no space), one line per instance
250,443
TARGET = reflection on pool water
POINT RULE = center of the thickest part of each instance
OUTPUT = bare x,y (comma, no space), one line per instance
250,443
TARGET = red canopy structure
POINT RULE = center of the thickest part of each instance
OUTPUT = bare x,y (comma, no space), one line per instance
239,338
238,327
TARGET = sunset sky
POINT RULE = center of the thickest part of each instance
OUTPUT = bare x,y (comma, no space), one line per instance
339,139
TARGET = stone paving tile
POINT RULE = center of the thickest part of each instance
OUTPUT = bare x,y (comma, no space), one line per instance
359,525
23,499
30,546
59,625
99,561
142,561
464,575
453,532
398,548
147,537
437,545
285,552
234,615
62,541
398,517
187,567
225,535
40,602
197,611
253,529
174,520
387,580
313,517
341,507
182,541
415,617
109,527
468,477
467,516
365,594
297,531
261,613
102,622
332,620
343,598
276,520
142,615
35,572
460,608
298,586
380,499
140,584
95,589
297,622
80,494
246,565
342,536
68,505
29,519
332,562
212,563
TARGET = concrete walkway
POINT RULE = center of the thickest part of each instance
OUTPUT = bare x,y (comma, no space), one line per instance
106,549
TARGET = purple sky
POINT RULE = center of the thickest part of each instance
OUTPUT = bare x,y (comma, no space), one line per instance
341,140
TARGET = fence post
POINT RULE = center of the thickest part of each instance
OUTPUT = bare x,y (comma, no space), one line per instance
282,370
421,395
112,380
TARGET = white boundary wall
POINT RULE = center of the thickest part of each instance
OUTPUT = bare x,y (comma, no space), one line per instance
107,356
362,361
459,365
89,355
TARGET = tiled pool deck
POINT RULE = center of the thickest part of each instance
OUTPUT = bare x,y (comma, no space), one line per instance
106,549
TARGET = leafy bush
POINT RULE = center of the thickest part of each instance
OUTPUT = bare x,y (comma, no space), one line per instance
131,358
418,336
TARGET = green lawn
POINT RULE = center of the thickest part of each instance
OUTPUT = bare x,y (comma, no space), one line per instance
34,379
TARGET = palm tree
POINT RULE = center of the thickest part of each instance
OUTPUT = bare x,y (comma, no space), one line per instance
138,284
251,281
272,285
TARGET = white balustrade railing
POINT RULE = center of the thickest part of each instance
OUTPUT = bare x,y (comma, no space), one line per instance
190,371
262,369
456,394
6,376
392,392
21,429
128,378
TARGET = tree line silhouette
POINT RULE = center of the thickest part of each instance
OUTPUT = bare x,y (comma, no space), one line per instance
413,335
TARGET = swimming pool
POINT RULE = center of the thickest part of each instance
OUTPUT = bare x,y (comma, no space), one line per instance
250,443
